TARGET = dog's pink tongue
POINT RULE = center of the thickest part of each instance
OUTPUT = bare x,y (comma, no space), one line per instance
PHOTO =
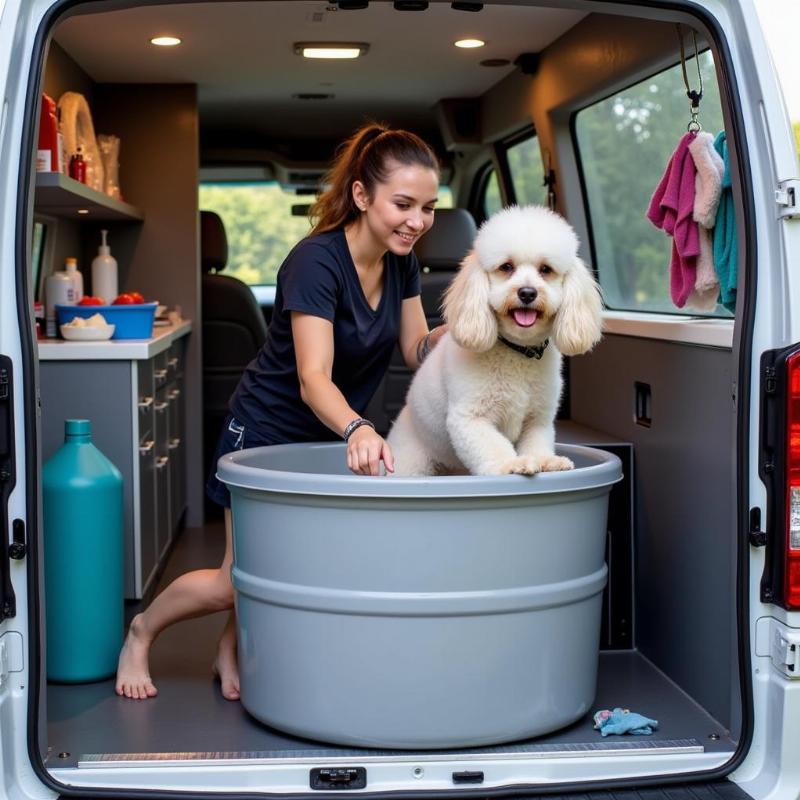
524,317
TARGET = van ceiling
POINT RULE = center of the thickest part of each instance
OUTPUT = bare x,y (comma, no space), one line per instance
240,55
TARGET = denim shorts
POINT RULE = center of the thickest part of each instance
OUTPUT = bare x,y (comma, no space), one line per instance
234,437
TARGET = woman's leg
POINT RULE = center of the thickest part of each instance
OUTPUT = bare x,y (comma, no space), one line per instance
203,591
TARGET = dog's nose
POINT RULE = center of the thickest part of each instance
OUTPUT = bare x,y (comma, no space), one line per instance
526,294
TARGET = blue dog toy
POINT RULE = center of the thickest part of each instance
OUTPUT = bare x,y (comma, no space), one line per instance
621,720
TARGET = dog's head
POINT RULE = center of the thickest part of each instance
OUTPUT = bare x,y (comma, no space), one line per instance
524,281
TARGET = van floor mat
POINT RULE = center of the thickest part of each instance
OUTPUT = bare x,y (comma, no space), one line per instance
718,790
88,722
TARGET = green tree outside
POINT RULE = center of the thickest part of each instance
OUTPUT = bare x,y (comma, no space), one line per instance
625,142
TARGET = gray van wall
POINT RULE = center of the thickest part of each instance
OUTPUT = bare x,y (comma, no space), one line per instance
685,531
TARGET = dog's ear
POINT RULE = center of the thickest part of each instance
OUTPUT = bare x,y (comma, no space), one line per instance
578,325
470,320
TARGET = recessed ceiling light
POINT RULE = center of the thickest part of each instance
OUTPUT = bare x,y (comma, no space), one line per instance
330,49
165,41
83,210
469,43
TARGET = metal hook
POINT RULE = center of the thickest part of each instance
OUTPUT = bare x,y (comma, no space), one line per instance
695,96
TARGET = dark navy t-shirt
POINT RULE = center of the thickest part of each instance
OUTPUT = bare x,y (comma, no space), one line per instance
319,277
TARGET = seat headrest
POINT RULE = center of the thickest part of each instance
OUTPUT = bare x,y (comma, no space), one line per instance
213,242
448,241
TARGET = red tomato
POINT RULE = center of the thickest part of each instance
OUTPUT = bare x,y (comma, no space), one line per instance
88,300
123,300
137,298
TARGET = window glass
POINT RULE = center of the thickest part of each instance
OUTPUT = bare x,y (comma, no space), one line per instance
491,195
624,145
527,172
259,225
445,197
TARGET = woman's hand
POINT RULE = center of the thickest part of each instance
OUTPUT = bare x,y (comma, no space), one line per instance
365,451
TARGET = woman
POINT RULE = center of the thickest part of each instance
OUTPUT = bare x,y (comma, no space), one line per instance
346,295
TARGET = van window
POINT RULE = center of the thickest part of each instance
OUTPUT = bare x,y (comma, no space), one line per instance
490,199
624,143
527,171
259,225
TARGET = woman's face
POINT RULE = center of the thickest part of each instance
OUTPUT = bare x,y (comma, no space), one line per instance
402,207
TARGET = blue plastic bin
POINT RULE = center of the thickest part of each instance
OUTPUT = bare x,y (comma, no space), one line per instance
131,321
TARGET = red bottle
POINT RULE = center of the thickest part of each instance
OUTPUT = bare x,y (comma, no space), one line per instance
47,150
77,167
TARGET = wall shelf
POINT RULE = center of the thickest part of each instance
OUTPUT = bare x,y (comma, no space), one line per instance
61,196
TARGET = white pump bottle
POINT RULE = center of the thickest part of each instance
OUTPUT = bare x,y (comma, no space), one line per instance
104,273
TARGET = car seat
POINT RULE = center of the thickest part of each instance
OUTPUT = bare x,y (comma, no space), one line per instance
234,328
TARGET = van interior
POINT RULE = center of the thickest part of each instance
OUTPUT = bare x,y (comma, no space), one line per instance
223,143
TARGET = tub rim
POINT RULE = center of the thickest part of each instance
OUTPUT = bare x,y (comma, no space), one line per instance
605,470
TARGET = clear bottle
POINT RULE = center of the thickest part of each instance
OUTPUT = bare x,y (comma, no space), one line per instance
59,290
76,276
104,273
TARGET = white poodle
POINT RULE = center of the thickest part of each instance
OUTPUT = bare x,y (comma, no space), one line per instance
485,399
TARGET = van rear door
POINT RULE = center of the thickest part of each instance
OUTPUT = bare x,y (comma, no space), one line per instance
18,417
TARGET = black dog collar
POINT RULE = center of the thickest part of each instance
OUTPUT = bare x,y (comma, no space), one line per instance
529,352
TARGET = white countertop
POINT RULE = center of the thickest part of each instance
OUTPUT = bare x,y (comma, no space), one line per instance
113,349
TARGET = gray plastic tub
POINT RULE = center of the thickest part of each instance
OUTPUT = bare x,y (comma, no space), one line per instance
416,612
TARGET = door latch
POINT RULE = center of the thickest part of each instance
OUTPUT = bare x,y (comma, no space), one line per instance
787,196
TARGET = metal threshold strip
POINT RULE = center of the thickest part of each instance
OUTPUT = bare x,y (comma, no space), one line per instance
333,755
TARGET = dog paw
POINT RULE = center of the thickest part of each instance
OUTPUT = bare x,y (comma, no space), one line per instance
521,465
556,464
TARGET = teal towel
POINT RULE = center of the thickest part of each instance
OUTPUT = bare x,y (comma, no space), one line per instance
725,246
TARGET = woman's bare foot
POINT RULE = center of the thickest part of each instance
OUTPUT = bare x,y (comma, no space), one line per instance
226,665
133,673
226,668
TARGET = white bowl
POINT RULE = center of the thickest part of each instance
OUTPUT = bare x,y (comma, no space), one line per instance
87,334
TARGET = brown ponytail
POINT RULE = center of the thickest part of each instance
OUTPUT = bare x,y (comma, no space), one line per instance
364,157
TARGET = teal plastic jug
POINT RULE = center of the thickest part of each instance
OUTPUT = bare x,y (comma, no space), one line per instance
83,559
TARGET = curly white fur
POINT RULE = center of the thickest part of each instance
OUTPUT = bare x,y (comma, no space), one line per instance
476,404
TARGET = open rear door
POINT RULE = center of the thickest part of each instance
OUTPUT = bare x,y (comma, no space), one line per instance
18,413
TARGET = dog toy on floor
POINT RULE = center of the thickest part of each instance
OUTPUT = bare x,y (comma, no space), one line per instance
622,720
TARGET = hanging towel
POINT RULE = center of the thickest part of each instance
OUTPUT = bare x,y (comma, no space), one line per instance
671,209
708,188
725,244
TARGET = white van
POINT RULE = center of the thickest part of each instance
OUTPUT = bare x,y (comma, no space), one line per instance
701,626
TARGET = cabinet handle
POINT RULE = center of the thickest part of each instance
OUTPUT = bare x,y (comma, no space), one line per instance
147,447
160,406
162,462
173,362
160,374
145,402
174,443
174,394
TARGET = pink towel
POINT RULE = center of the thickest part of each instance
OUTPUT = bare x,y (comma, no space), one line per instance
708,189
671,209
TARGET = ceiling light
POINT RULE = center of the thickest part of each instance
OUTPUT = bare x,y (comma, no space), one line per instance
83,210
330,49
165,41
469,43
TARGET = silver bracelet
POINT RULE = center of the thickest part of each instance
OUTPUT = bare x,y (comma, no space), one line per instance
353,426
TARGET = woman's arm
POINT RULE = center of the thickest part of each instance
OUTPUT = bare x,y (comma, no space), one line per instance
313,344
415,339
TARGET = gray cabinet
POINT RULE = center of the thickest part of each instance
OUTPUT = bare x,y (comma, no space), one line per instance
138,421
